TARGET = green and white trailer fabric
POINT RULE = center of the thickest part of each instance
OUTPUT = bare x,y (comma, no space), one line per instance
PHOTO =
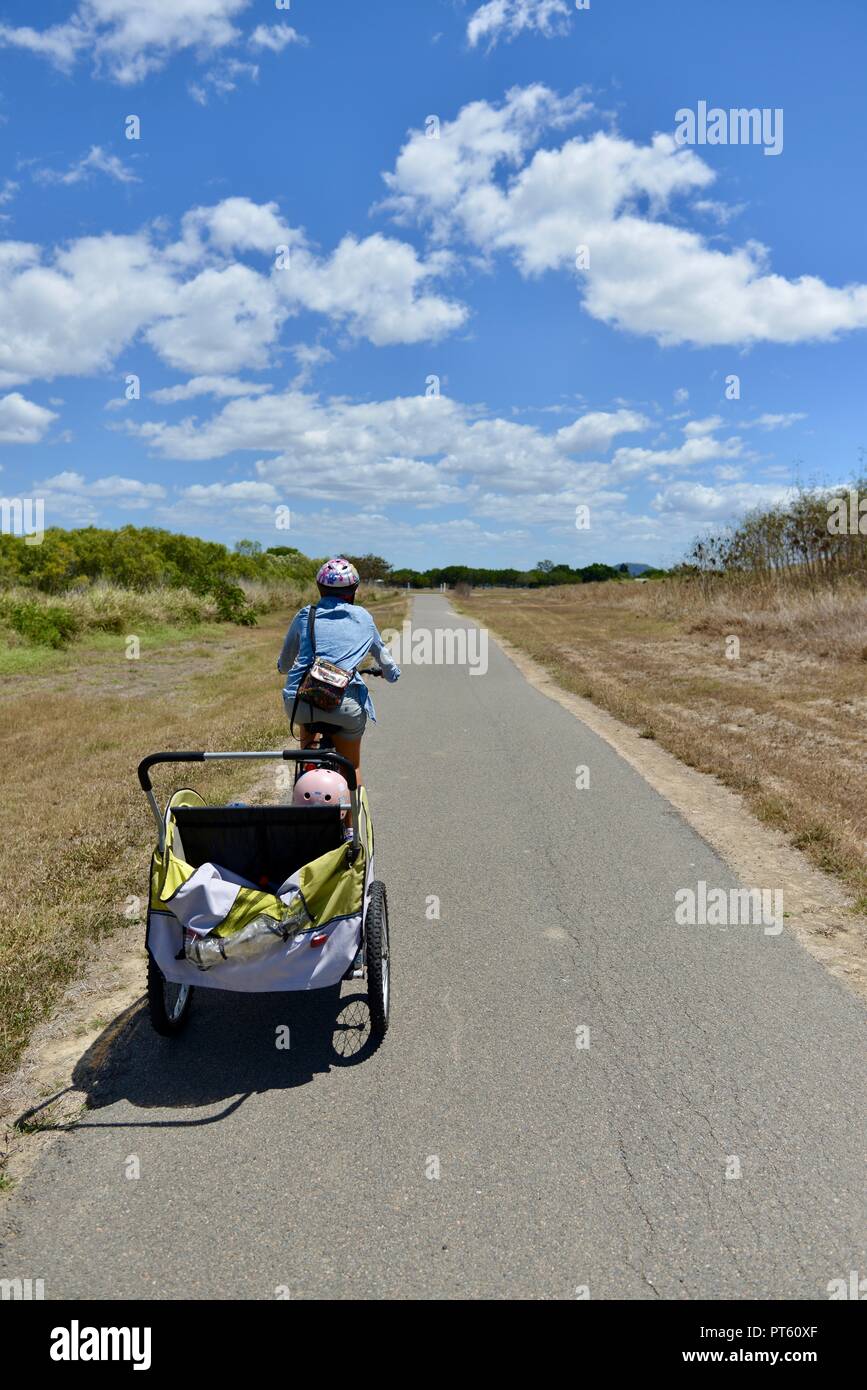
211,928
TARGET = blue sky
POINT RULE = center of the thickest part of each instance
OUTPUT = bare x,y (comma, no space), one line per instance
304,384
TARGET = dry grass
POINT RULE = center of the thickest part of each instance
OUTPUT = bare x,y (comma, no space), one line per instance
77,830
785,723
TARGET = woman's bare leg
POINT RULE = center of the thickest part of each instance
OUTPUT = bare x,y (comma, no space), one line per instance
349,748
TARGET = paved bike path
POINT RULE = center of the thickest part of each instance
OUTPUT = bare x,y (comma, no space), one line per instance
480,1152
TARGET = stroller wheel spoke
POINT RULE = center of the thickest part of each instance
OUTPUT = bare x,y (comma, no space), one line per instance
169,1003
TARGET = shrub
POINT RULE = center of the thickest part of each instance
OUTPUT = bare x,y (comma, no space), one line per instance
43,625
232,605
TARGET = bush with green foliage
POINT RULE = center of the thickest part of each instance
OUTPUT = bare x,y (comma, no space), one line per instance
233,606
143,558
95,580
43,626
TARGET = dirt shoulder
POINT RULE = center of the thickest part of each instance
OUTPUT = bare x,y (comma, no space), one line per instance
47,1091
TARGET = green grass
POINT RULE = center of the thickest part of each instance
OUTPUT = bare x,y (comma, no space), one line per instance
154,634
24,661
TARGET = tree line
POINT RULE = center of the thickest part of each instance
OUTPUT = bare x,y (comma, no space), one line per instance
817,539
147,557
373,568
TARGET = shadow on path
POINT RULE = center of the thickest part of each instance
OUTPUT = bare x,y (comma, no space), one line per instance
227,1052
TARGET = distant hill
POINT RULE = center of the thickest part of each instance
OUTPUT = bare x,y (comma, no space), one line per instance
633,568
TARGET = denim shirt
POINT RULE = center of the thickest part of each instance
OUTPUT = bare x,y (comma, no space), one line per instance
345,633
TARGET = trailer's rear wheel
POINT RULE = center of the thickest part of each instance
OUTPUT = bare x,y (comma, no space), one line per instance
378,961
169,1004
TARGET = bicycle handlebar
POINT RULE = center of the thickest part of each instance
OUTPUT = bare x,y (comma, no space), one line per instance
292,755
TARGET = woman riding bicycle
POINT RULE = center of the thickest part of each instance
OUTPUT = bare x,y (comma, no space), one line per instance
343,633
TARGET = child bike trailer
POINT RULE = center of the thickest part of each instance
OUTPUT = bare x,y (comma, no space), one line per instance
262,898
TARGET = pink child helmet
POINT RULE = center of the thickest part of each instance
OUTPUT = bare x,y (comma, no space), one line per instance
338,574
321,787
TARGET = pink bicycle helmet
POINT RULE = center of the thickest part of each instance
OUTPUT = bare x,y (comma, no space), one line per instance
338,574
321,787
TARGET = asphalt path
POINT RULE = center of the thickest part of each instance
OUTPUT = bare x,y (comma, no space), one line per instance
577,1095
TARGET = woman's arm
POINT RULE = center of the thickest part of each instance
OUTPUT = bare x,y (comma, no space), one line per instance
286,659
390,668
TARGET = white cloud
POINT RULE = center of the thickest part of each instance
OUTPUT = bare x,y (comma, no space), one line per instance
8,191
209,386
74,316
60,44
696,449
706,426
335,530
722,213
231,492
127,489
203,310
554,508
362,452
275,37
72,501
417,536
421,452
507,18
450,179
222,320
127,39
22,421
309,356
376,287
594,432
609,194
222,78
700,502
776,422
95,161
235,224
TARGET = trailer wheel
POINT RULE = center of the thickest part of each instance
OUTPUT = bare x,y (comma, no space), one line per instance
169,1004
378,961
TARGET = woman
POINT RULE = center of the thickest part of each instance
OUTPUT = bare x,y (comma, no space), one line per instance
344,634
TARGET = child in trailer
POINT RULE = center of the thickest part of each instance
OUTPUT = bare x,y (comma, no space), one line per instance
322,787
